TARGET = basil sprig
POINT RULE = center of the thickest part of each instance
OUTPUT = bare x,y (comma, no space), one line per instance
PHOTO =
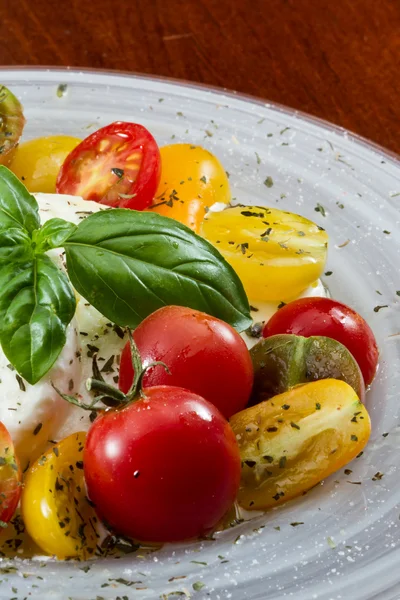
127,264
37,300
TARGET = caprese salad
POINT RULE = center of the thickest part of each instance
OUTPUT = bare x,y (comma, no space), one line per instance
167,358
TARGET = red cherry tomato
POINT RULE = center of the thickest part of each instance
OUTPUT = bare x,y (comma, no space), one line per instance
10,476
118,165
204,355
323,316
165,468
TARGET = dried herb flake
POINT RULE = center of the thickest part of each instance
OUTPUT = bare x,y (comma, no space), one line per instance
269,182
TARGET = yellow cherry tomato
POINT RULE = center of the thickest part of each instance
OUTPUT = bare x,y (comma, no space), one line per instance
54,505
15,540
276,254
291,442
37,162
192,180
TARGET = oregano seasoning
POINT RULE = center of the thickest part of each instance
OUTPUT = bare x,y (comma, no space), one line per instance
379,307
20,383
198,585
37,428
62,90
319,208
118,172
269,182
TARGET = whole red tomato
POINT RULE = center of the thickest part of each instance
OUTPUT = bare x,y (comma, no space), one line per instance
323,316
204,355
118,165
165,468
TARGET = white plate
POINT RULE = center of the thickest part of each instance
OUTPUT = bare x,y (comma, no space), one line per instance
348,544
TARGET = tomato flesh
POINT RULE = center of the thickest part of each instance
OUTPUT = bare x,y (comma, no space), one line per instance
54,506
277,254
323,316
203,354
10,476
118,165
163,469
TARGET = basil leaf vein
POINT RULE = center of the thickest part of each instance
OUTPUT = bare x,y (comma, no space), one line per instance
15,244
36,304
128,264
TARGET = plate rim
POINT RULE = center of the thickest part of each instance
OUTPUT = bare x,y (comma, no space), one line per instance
248,98
279,109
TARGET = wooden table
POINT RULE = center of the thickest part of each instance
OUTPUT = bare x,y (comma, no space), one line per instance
338,59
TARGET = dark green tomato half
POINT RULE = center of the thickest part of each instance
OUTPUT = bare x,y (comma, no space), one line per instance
283,361
12,122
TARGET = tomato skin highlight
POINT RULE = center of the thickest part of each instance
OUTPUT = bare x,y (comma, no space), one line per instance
118,165
165,468
329,318
204,355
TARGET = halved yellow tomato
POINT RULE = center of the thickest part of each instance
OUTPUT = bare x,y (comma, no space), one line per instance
291,442
57,513
37,162
192,180
276,254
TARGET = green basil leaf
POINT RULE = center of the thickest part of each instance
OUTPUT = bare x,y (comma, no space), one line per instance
15,243
128,264
36,304
52,235
17,205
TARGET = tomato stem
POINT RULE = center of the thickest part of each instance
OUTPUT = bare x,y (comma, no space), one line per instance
105,389
108,394
137,389
138,370
76,402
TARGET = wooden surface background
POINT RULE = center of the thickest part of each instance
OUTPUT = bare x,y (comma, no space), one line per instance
337,59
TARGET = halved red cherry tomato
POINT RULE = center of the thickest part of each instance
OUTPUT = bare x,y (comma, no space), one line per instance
10,476
118,165
204,355
164,468
323,316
